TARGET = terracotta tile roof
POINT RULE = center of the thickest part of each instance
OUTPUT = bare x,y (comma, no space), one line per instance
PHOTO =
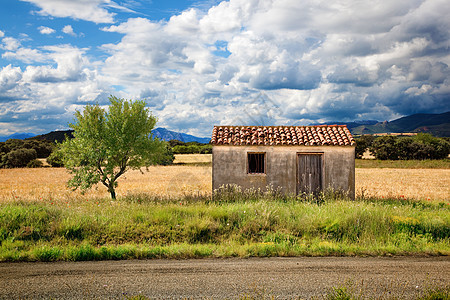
331,135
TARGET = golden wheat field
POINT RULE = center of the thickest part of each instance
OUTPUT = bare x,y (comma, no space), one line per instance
49,184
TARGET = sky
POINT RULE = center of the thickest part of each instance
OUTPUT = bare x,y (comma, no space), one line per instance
200,63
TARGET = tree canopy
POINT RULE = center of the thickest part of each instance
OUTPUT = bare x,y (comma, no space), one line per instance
107,143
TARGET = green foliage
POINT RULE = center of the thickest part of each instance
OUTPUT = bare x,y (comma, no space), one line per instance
384,148
13,144
16,153
341,293
55,159
108,143
422,146
167,156
362,143
246,224
35,164
43,147
18,158
191,148
436,294
173,143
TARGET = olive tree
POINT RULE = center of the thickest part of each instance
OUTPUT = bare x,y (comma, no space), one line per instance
108,142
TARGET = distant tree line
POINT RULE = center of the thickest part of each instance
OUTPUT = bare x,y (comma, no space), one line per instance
422,146
179,147
15,153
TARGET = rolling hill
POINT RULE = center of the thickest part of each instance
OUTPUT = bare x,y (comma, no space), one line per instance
161,133
436,124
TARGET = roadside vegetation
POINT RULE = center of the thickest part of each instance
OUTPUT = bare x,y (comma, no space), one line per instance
231,224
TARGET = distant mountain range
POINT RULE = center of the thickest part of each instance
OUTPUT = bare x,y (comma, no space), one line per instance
436,124
19,136
168,135
59,136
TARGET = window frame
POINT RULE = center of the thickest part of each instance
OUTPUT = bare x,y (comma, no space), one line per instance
263,164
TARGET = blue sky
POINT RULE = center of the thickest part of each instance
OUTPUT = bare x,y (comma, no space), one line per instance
238,62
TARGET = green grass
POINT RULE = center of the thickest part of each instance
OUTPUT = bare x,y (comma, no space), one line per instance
403,164
234,224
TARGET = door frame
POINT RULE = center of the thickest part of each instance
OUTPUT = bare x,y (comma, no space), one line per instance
322,171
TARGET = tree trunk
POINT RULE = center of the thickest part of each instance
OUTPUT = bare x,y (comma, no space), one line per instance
112,191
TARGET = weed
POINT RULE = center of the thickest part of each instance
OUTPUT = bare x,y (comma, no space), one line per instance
436,294
253,224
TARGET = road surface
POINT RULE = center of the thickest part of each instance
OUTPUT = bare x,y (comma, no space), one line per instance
282,278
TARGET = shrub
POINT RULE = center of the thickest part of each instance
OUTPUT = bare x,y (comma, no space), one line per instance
167,156
362,144
422,146
174,143
191,148
35,163
206,149
16,153
55,160
384,148
19,158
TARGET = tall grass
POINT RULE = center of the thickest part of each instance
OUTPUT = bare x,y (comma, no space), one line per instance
232,223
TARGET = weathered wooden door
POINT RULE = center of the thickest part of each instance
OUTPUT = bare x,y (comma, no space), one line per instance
309,178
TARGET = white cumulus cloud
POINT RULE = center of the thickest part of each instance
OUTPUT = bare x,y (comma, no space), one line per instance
46,30
89,10
69,30
248,62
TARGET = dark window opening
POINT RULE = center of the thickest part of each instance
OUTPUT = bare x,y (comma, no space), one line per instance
256,162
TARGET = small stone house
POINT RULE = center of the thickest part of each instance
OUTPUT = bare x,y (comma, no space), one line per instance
297,159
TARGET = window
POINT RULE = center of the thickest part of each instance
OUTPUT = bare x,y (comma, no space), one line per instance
256,163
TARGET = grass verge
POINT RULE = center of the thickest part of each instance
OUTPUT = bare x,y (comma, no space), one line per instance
234,224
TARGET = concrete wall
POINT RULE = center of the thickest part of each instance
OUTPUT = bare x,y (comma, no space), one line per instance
229,166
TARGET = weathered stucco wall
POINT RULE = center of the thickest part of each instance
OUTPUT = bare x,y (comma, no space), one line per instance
230,167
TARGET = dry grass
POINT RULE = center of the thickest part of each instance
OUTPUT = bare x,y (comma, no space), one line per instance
49,184
192,158
424,184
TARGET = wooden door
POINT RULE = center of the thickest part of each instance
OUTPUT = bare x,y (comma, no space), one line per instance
309,178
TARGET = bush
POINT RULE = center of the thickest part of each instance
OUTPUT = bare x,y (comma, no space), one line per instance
384,148
19,158
16,153
43,147
167,157
35,164
174,143
422,146
363,143
192,148
55,160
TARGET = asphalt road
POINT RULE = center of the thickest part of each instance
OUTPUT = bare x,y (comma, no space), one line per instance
282,278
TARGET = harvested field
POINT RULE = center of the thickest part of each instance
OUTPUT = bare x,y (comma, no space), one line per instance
173,181
50,183
192,158
424,184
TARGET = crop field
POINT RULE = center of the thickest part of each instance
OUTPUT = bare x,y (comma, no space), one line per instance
46,184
